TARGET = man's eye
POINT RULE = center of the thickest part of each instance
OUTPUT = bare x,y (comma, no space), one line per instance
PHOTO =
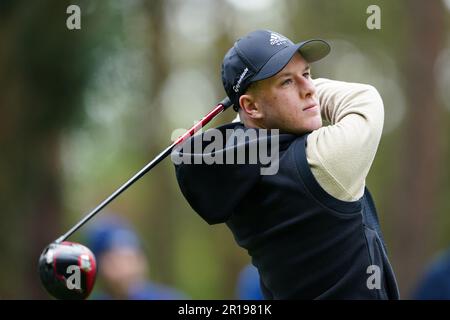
286,82
307,74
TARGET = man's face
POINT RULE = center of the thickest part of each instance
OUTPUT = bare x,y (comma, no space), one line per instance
287,100
122,268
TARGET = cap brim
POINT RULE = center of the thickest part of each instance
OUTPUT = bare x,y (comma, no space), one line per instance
311,51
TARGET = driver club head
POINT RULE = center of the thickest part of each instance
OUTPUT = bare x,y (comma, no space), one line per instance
67,270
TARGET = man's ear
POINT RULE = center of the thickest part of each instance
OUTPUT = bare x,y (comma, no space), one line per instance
250,106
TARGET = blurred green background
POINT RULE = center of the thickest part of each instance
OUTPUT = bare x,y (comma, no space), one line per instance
82,110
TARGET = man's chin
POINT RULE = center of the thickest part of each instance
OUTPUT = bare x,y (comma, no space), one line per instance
317,124
314,125
301,131
308,129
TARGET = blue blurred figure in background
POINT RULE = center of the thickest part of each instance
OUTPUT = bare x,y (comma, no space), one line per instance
435,283
122,263
248,287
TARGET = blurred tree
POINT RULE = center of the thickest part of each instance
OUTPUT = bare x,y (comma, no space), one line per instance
44,68
159,65
414,200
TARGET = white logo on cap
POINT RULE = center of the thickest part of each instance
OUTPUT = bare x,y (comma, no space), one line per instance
238,84
277,39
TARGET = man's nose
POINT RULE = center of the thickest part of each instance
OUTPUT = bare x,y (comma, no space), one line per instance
307,89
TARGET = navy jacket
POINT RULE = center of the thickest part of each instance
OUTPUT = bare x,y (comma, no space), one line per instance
305,243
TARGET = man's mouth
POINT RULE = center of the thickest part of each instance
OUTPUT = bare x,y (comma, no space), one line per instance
311,106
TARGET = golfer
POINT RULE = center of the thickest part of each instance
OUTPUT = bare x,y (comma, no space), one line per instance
311,227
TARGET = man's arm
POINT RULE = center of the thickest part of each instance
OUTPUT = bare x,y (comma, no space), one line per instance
341,154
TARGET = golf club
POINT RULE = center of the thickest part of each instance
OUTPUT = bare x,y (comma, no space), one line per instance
53,275
223,105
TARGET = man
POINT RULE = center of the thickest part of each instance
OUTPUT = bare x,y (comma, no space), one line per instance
434,284
311,228
248,285
122,263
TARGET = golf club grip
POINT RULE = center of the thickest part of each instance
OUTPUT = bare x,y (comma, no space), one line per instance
223,105
219,108
226,103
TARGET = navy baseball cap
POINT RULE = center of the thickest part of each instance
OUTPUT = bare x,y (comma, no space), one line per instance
260,55
111,232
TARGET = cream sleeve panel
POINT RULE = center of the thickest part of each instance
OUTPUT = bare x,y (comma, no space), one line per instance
341,154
